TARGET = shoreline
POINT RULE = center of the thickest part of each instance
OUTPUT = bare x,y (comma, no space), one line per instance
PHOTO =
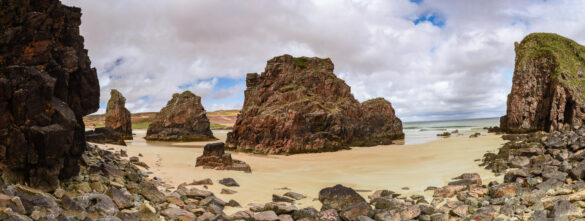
415,166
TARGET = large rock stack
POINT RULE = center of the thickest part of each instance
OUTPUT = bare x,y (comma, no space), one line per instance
46,86
117,116
547,90
183,119
298,105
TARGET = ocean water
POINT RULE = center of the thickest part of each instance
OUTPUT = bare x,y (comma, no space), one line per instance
425,131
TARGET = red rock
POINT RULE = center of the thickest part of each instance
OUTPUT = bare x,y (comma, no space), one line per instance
546,89
215,157
298,105
448,191
183,119
47,85
117,116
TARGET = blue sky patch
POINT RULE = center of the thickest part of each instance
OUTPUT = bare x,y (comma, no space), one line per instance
433,18
416,1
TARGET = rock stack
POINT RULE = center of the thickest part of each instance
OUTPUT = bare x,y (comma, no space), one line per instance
46,86
298,105
547,90
215,157
117,116
183,119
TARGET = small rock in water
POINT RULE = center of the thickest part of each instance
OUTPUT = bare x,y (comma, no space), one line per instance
140,154
405,188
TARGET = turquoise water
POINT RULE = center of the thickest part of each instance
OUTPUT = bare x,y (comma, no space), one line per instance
425,131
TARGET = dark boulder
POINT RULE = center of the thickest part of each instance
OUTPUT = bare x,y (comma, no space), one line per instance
103,135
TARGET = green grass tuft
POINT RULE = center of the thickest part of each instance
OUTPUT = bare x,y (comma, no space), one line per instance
301,62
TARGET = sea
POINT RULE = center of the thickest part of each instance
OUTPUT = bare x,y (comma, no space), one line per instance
425,131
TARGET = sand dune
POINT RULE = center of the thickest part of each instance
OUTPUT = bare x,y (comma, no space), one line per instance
367,168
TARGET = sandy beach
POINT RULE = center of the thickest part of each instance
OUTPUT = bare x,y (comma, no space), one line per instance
362,168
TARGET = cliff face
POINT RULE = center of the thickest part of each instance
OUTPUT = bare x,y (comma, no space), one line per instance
117,116
547,91
183,119
46,87
298,105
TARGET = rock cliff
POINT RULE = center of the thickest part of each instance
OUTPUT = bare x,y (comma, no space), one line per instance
46,86
547,89
183,119
117,116
298,105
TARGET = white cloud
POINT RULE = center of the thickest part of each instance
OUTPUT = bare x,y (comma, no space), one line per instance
427,72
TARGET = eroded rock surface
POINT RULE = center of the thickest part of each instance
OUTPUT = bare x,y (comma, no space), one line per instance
547,90
46,86
183,119
117,116
298,105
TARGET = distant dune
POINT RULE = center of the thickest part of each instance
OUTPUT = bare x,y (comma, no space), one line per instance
219,119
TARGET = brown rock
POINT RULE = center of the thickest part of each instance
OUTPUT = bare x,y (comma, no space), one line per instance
183,119
298,105
215,157
103,135
546,89
47,85
339,197
117,116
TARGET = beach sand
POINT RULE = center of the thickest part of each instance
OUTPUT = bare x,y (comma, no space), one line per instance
362,168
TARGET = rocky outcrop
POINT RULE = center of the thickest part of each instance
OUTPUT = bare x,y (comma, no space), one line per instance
183,119
46,86
215,157
298,105
117,116
548,83
103,135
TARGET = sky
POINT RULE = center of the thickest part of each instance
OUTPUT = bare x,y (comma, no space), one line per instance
433,60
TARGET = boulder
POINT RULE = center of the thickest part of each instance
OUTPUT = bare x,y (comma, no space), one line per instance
183,119
117,116
546,88
228,182
47,85
339,198
215,157
298,105
104,135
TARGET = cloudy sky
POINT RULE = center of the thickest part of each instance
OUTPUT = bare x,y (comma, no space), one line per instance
432,59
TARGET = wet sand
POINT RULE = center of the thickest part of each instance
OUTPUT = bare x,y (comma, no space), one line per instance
362,168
